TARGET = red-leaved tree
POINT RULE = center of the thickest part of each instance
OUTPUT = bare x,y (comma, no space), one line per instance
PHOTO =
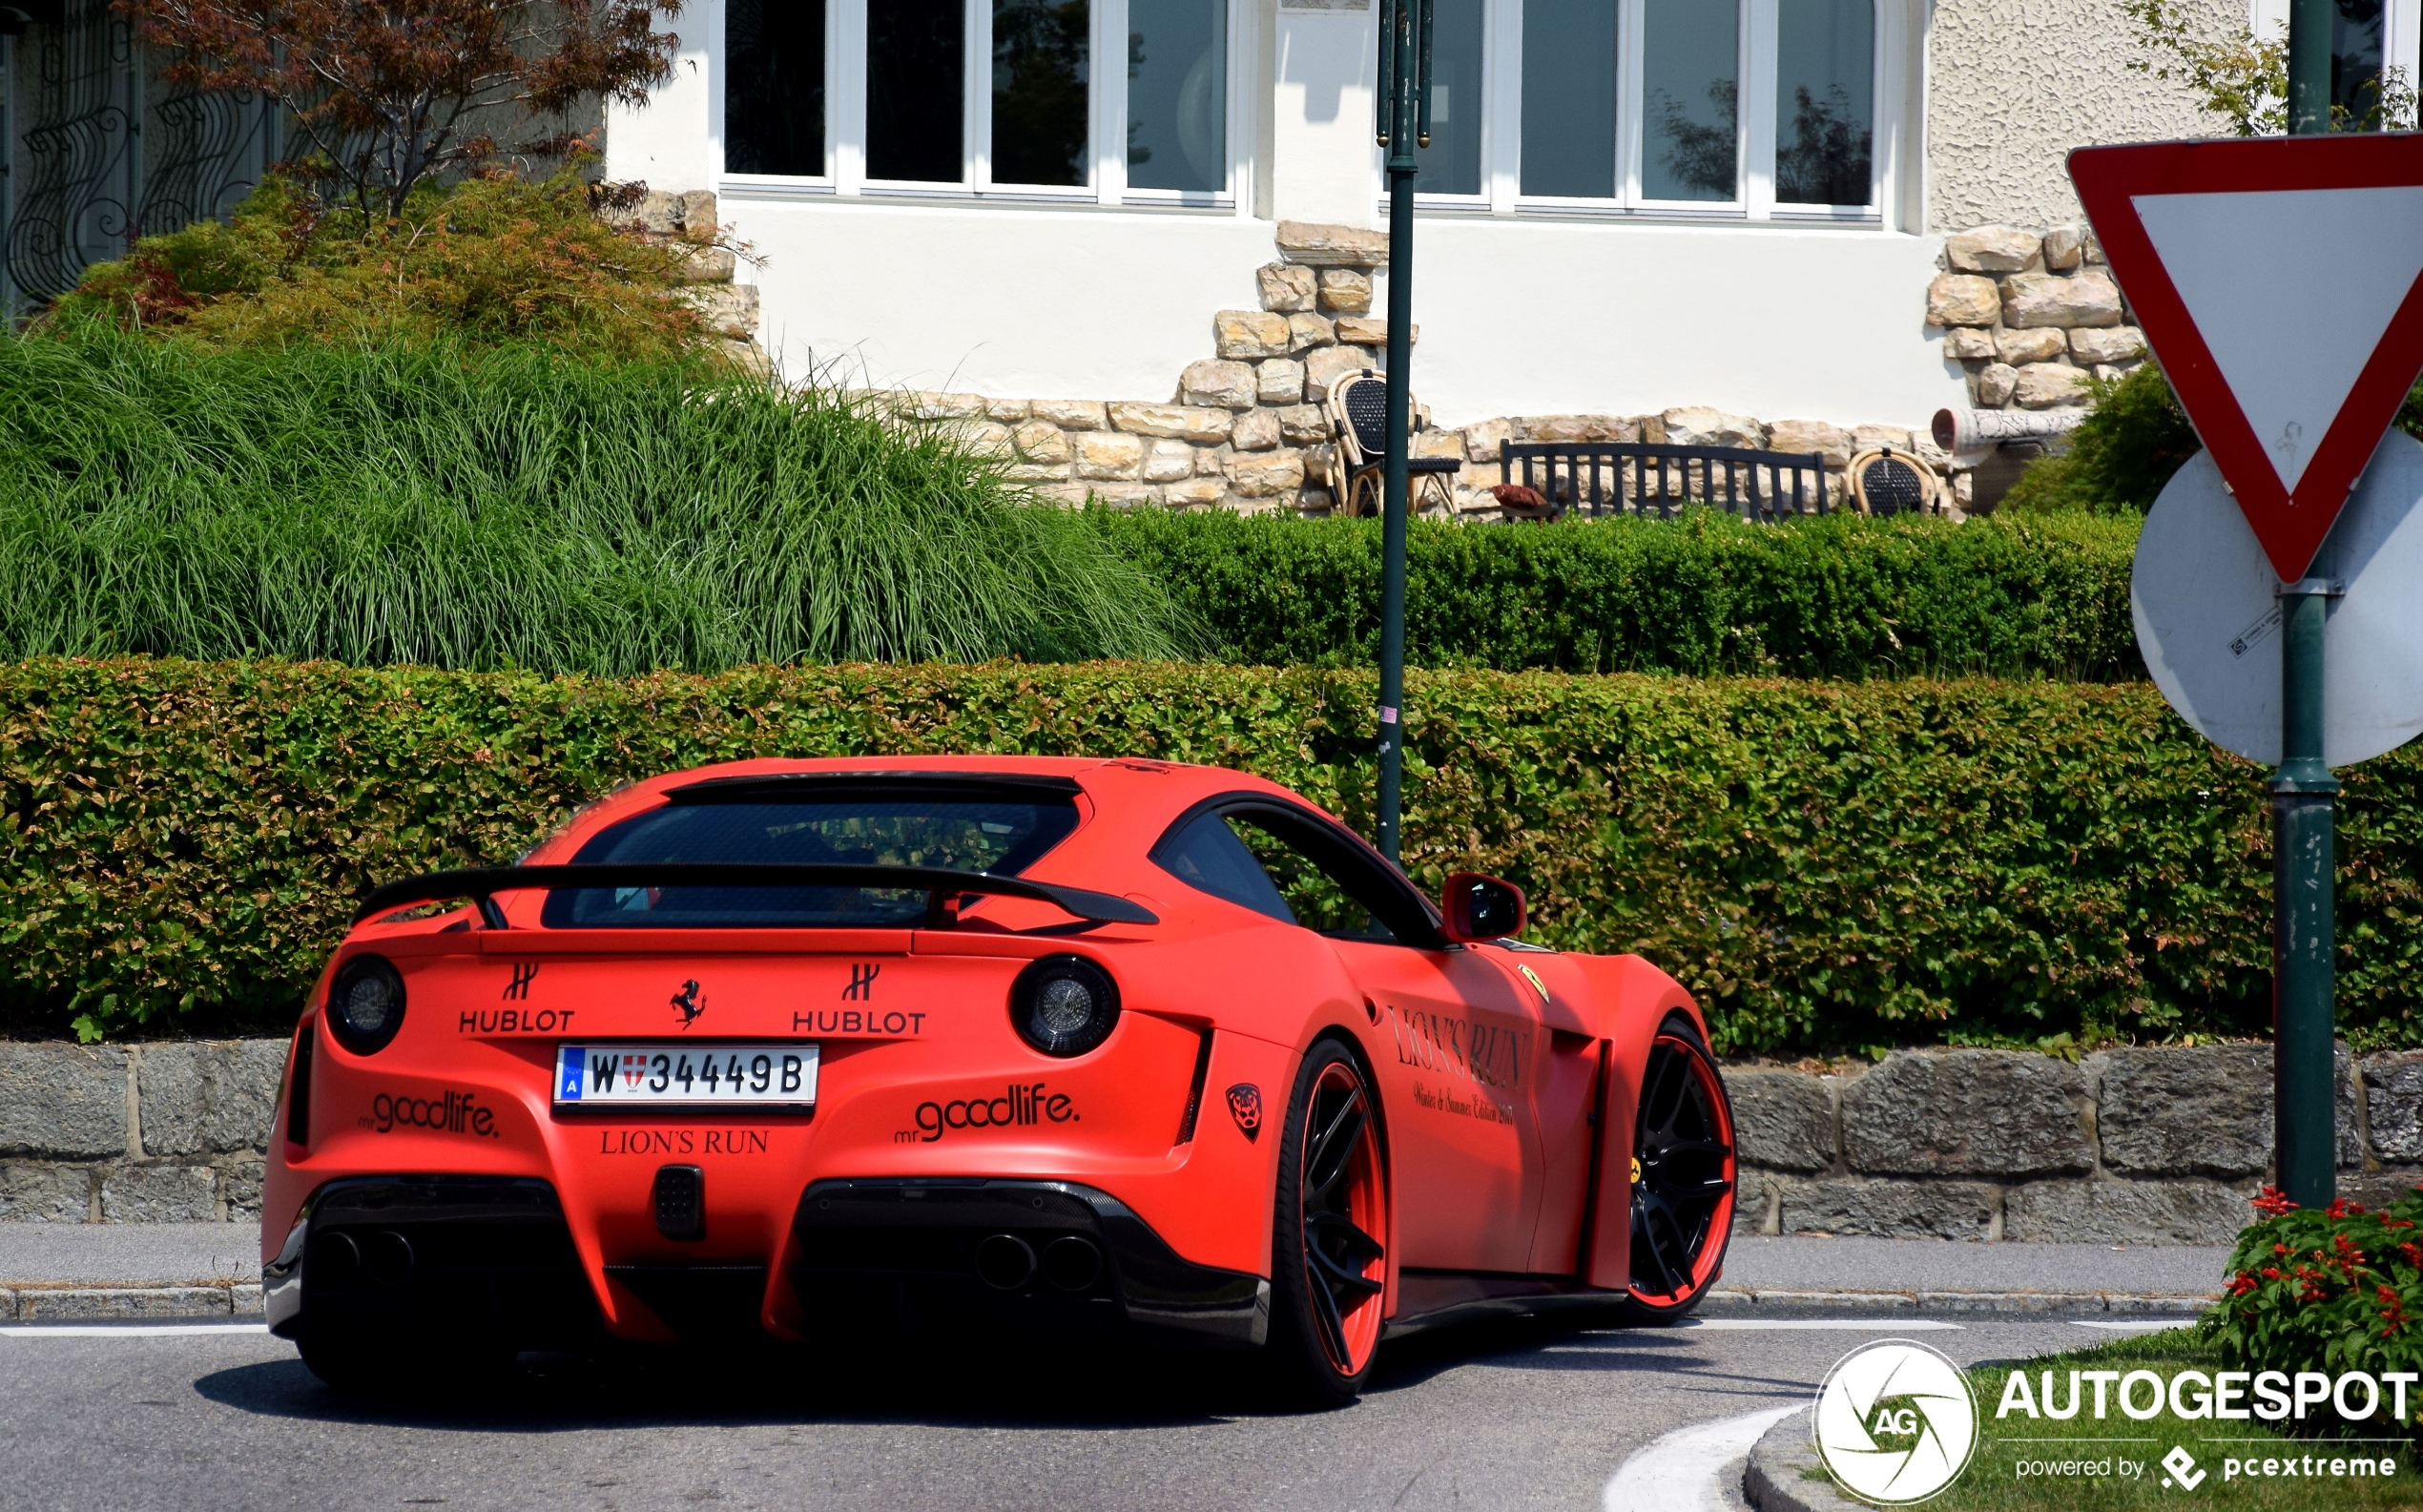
390,93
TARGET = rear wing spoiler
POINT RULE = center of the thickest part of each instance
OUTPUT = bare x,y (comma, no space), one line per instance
943,887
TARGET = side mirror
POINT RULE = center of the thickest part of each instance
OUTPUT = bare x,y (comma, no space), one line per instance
1482,907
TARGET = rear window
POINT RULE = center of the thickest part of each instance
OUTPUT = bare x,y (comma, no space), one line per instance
971,829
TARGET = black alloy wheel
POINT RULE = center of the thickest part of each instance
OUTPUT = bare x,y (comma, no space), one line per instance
1327,1261
1683,1177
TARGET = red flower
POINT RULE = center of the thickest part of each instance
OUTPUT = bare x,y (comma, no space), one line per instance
2271,1202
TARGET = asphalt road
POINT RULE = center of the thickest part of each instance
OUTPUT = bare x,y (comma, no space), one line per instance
1496,1416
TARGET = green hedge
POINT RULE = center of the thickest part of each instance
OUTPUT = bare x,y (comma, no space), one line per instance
1839,596
1827,865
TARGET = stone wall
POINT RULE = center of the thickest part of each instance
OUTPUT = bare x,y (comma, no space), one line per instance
2031,315
1244,427
136,1133
2159,1146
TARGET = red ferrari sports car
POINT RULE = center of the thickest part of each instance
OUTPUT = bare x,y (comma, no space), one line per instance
809,1049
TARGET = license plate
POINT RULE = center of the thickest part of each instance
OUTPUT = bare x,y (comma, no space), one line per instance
693,1075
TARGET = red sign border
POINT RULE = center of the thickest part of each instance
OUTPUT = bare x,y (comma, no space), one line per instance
2291,526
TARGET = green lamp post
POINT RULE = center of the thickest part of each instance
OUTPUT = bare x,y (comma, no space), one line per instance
1404,124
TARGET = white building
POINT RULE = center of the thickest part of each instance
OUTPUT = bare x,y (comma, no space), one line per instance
1627,207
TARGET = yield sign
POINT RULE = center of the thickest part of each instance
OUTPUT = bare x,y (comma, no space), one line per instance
2277,281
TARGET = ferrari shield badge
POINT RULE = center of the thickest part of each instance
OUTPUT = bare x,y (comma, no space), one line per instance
1245,1106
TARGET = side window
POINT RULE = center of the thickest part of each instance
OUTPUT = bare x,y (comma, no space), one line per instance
1322,900
1207,855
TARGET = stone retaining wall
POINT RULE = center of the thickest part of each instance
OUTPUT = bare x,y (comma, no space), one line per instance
2030,316
2129,1146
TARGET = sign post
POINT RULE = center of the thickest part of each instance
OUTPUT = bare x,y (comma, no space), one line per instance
1404,123
2280,281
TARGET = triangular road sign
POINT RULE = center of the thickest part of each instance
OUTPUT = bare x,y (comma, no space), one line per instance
2280,283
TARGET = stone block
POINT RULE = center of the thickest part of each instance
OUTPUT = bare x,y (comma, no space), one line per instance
1072,414
2116,343
1757,1195
1865,435
2379,1188
1314,501
1303,425
2180,1112
1995,383
988,438
1830,442
2064,248
245,1298
708,265
1577,427
2040,346
2107,1212
1330,364
1265,474
1484,438
1126,495
1317,461
1968,344
930,405
1036,471
1328,246
1280,381
1286,288
1106,454
160,1194
1782,1119
1041,441
45,1194
1256,430
1966,1113
1070,493
1249,334
2394,1097
66,1101
99,1303
1218,384
2046,386
1007,411
208,1097
1889,1209
1176,422
1305,332
1168,462
1438,444
727,309
1698,426
1963,299
1212,462
241,1189
2052,298
1345,291
1195,493
1992,249
1358,330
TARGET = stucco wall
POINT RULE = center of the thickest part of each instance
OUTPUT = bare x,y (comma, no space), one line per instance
2014,84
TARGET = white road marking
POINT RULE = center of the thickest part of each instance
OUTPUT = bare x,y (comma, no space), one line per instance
2136,1325
125,1330
1678,1472
1835,1325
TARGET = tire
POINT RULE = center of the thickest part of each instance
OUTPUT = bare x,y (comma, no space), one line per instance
1328,1266
344,1362
1683,1176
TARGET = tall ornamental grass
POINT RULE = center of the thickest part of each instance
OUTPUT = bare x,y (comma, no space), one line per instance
465,509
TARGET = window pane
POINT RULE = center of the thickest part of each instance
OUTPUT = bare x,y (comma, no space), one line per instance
1040,50
2355,62
1825,109
1177,94
1568,97
915,65
774,87
1691,50
1451,164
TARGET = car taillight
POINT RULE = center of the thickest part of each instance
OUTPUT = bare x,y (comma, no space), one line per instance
1064,1004
299,1089
365,1004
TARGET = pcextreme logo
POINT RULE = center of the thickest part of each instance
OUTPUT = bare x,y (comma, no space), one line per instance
1895,1423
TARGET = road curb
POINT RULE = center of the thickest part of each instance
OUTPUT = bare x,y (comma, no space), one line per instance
1736,1301
1776,1477
77,1301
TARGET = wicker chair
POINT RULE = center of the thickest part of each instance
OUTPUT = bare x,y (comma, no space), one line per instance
1884,481
1359,417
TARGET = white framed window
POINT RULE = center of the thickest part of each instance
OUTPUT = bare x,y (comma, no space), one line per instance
981,98
1764,110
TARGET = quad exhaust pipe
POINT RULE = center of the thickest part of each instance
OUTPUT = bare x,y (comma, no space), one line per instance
1069,1263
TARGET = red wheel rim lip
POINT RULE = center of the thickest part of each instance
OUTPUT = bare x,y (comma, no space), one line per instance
1719,1220
1365,1205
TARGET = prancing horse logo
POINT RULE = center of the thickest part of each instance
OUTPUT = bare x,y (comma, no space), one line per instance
690,1003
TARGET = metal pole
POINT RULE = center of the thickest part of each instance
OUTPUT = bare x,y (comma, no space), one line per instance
1405,83
2305,1107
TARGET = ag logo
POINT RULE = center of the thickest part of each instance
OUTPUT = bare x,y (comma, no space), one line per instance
1895,1423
